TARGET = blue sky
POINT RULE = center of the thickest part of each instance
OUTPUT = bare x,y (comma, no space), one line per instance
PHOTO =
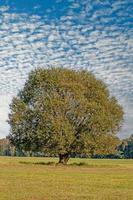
95,35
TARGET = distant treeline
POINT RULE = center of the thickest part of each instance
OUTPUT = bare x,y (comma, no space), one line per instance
124,150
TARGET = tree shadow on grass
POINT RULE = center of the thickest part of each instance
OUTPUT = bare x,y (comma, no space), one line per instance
84,164
37,163
74,164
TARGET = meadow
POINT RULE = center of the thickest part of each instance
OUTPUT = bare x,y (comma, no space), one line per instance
24,178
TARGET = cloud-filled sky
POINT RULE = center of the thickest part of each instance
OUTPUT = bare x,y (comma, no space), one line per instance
95,35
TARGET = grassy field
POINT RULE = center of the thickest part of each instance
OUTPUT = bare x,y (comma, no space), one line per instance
34,179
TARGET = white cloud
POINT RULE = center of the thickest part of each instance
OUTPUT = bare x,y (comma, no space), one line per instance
5,100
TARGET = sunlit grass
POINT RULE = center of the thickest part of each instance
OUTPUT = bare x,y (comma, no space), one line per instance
82,179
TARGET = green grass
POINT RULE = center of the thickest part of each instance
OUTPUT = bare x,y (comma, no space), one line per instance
82,179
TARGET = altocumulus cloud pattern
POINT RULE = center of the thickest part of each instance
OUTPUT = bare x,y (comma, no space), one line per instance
95,35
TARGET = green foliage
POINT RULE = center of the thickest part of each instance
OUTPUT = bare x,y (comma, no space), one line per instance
65,111
4,147
126,147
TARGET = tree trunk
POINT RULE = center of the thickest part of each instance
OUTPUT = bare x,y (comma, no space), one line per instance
63,158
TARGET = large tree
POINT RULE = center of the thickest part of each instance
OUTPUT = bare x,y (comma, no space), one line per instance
64,111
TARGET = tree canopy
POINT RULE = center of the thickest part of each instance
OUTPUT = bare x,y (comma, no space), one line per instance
65,111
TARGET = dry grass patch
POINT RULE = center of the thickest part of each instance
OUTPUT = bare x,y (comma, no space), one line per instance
83,179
